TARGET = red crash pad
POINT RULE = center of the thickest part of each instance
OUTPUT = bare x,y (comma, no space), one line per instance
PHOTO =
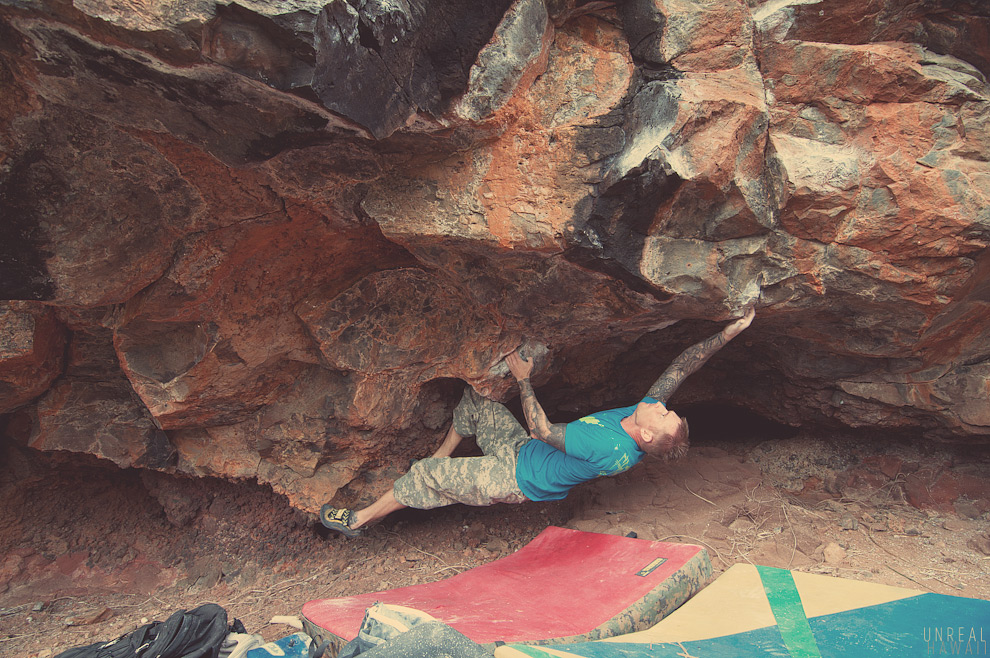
565,585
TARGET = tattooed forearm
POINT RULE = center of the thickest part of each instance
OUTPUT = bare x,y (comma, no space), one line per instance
540,426
555,437
535,417
664,387
695,356
689,361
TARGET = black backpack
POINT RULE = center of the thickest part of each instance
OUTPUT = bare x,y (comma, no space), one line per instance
198,633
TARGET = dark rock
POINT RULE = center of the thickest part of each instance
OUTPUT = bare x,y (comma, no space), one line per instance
380,63
32,350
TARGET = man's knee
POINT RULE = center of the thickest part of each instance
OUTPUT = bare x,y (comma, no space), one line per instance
418,487
466,412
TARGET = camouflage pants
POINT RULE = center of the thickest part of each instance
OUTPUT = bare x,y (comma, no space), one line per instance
479,481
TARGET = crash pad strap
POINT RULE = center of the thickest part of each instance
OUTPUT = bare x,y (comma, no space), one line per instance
785,602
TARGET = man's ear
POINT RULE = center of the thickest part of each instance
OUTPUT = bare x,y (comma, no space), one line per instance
646,435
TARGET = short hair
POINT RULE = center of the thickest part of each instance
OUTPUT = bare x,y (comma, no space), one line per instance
672,445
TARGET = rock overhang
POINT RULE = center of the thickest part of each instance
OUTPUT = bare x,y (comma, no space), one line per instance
586,178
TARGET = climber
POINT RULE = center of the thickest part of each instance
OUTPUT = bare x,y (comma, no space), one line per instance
547,462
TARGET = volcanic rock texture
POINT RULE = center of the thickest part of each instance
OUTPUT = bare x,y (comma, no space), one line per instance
272,240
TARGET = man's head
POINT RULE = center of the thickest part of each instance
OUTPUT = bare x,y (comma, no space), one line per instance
662,432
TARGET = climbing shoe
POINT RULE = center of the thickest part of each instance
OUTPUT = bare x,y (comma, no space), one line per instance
339,520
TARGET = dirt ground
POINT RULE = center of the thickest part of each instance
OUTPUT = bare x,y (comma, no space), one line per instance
91,552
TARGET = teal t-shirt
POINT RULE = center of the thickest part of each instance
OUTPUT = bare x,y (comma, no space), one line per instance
595,445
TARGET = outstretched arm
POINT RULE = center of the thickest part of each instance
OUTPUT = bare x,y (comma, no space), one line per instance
694,357
540,426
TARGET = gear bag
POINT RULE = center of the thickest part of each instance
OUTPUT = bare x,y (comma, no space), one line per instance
382,623
198,633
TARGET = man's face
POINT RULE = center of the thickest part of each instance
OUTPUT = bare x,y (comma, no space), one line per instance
656,418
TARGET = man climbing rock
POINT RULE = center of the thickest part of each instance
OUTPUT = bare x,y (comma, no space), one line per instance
550,459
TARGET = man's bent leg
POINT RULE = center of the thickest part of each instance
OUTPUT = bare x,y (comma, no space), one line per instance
441,480
490,422
436,482
477,481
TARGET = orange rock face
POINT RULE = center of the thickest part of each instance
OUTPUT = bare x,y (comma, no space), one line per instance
273,244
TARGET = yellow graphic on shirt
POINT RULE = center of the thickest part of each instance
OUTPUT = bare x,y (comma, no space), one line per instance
622,463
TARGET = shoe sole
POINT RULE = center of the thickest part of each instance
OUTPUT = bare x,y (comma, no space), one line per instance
337,526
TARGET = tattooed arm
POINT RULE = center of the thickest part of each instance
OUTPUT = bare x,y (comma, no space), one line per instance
694,357
540,426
